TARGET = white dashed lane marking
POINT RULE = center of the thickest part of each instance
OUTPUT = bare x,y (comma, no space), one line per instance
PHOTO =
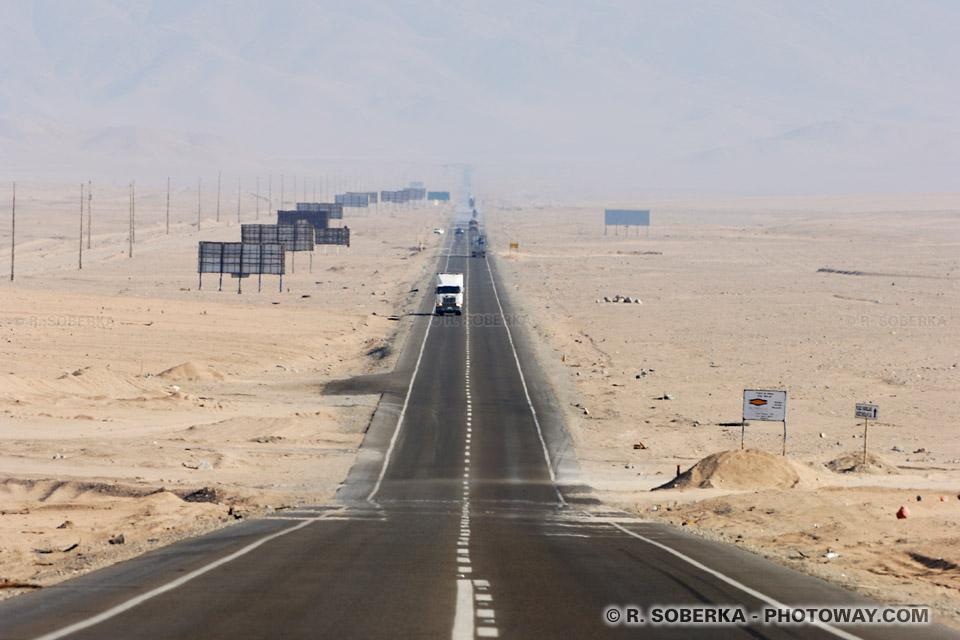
470,621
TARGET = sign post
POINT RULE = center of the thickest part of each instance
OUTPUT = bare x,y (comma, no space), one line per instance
770,406
867,412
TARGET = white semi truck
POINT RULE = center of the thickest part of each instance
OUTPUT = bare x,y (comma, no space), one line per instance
449,293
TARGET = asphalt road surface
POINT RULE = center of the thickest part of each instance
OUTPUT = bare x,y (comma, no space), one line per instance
461,518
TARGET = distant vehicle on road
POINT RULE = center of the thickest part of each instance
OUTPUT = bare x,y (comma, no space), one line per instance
438,230
459,231
479,249
449,293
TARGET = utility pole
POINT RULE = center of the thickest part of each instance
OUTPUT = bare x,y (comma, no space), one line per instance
130,221
80,257
218,196
258,198
270,192
89,202
238,200
168,206
199,200
13,228
281,191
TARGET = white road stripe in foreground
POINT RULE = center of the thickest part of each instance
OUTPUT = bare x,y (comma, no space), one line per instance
840,633
170,586
463,620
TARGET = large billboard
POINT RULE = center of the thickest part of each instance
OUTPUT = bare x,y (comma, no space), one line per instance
293,237
627,217
339,236
317,218
353,199
241,258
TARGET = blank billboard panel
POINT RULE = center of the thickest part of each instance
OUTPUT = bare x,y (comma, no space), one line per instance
334,210
438,195
317,218
259,233
293,237
339,236
627,217
241,258
414,193
353,199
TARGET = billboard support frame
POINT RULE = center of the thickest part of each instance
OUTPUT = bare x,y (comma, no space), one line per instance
241,260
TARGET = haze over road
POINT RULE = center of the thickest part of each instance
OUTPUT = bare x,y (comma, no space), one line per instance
461,518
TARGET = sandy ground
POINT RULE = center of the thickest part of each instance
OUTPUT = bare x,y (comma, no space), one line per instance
732,298
133,404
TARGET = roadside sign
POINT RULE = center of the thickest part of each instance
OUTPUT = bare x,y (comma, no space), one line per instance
765,405
867,411
514,245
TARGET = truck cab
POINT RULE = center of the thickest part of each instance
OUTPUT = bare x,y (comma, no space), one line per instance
449,293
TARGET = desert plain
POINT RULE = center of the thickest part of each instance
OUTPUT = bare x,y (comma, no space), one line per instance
134,403
136,408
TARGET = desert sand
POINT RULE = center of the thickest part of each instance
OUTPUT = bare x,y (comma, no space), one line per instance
732,297
133,404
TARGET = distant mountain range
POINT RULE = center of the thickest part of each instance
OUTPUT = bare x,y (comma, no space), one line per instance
568,97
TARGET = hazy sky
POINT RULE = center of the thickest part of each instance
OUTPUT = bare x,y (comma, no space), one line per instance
626,96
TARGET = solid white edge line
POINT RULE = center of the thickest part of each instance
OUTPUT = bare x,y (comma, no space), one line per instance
463,620
526,392
840,633
133,602
406,401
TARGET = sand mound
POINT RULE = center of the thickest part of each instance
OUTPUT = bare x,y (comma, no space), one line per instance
191,371
853,463
163,497
95,383
749,469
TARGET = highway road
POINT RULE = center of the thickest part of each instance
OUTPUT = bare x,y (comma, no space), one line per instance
461,518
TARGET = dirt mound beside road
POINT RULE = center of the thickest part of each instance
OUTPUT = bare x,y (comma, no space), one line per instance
750,469
853,463
191,371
